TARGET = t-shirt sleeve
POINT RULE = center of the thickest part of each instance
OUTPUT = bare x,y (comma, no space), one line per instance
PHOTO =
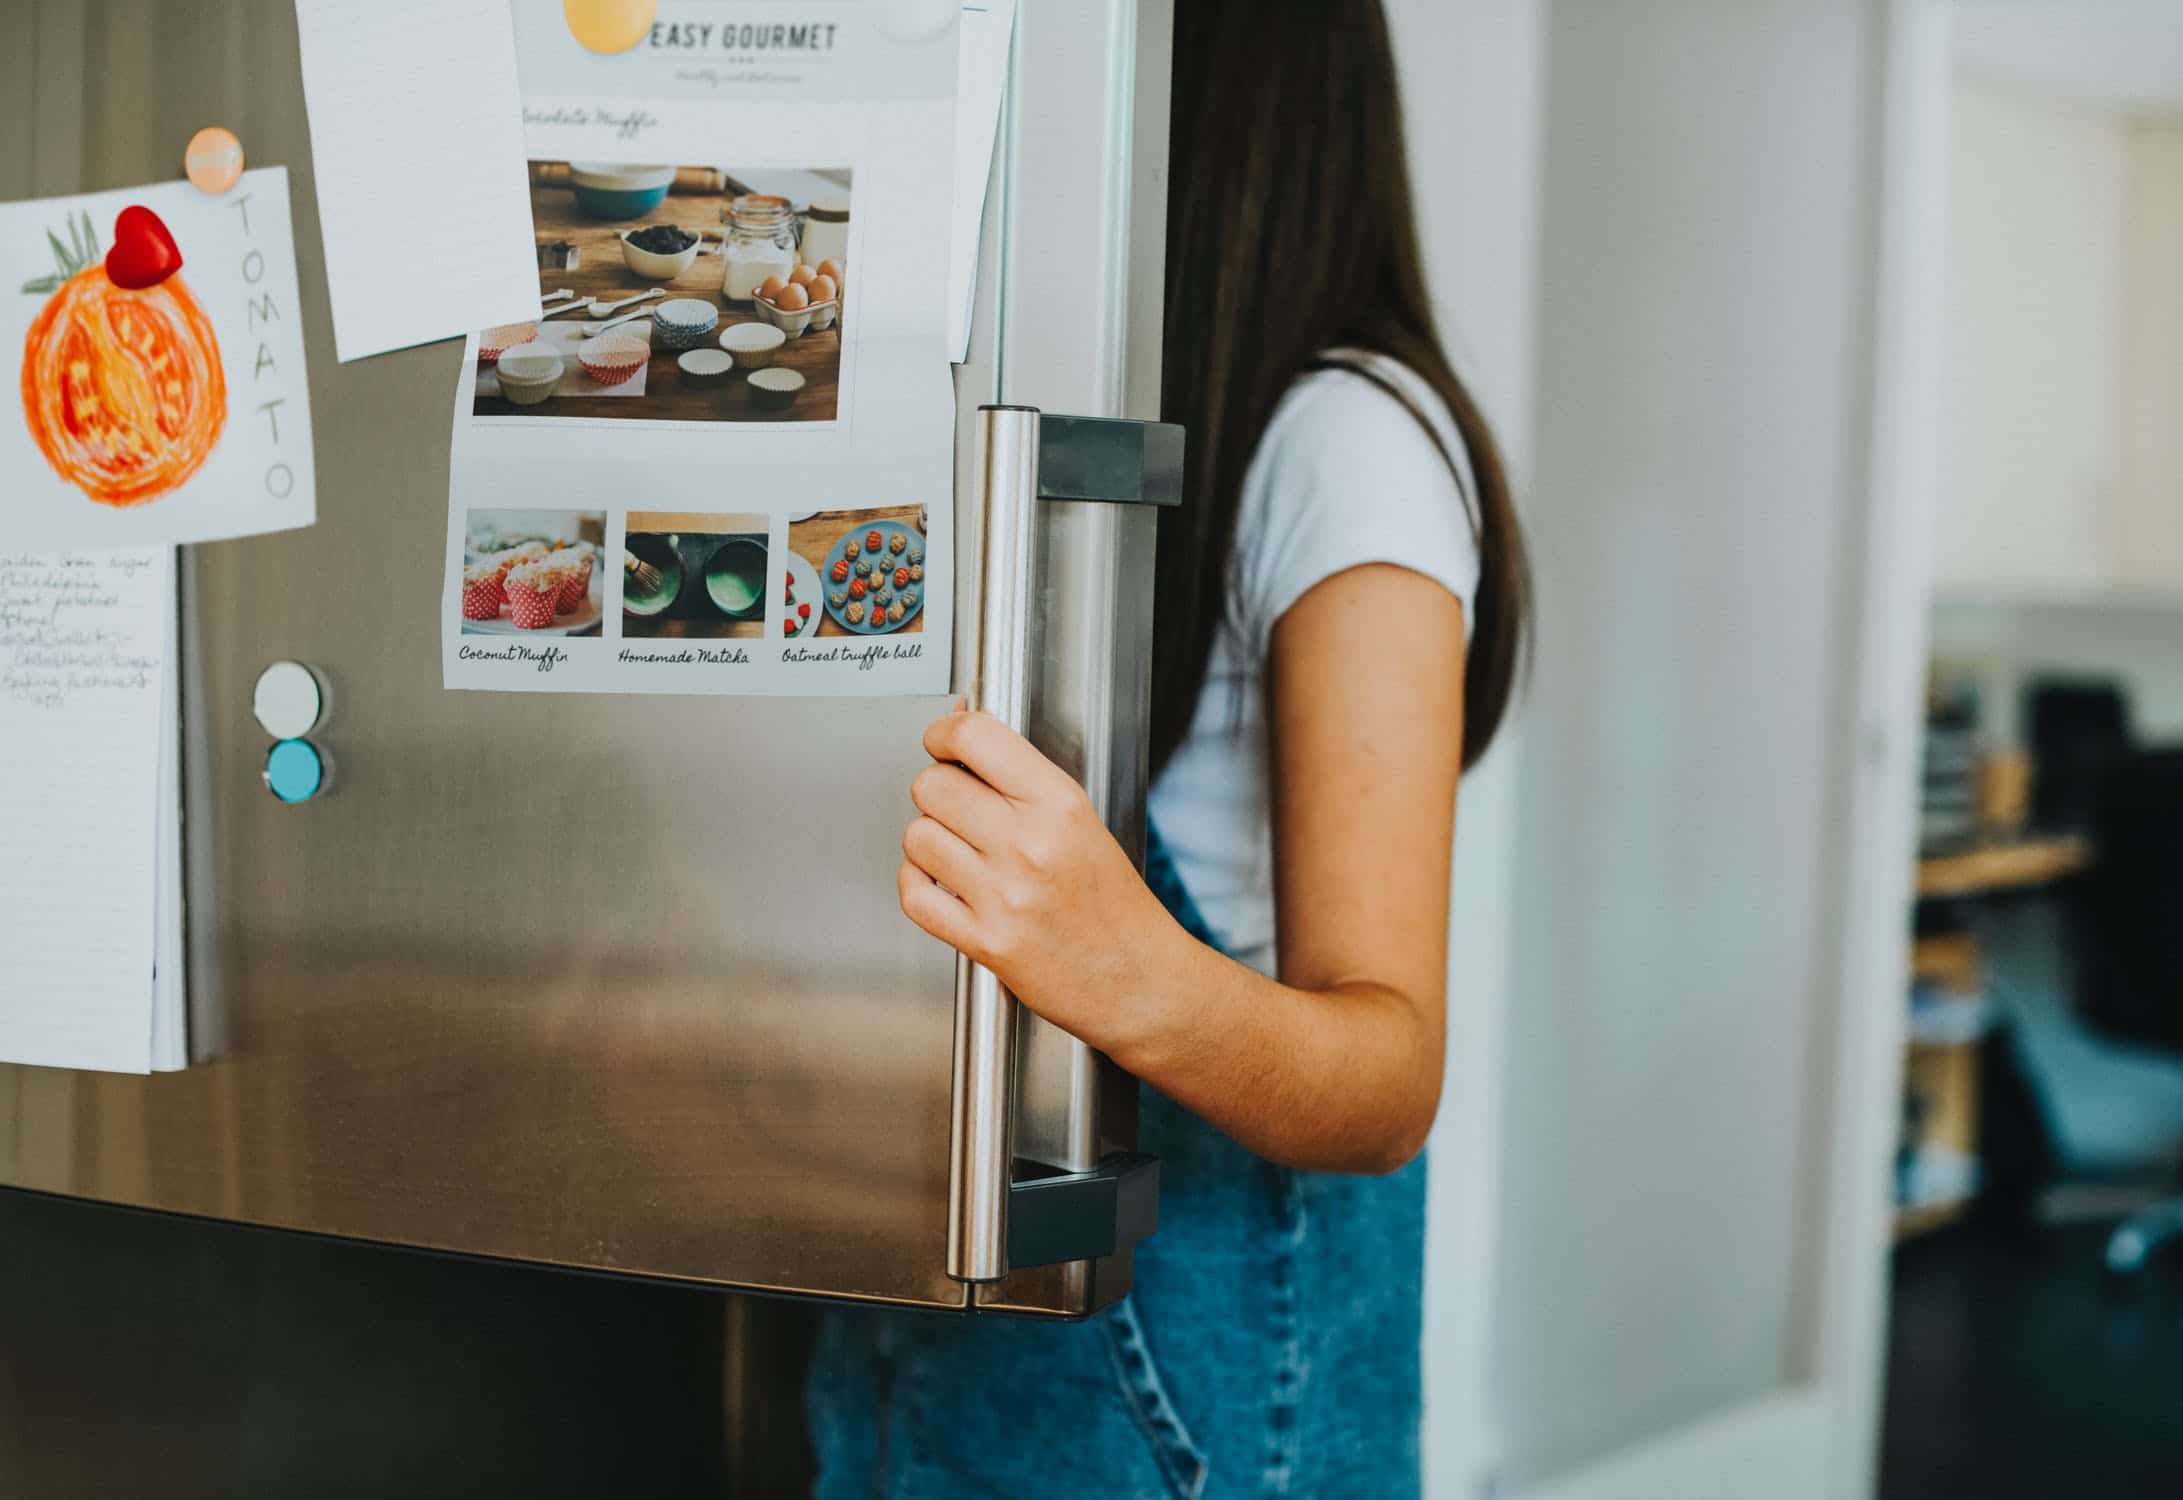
1345,476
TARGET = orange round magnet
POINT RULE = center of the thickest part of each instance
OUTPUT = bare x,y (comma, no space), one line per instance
609,25
214,160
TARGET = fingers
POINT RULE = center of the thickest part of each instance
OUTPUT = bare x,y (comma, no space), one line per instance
999,756
960,802
937,912
941,855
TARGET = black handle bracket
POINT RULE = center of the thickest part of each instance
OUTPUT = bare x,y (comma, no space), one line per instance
1065,1216
1109,458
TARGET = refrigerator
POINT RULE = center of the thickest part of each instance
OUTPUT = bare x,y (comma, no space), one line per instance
631,993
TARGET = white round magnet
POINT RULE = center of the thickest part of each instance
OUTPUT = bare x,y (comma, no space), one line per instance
288,700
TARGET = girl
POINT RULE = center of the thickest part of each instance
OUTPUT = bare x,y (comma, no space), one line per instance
1342,601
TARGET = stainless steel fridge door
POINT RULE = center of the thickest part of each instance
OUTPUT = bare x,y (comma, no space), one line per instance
1080,332
606,982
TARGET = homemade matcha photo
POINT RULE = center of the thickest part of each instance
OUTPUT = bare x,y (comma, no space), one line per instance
694,574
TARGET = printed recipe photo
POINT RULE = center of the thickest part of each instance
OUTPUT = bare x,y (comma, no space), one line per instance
678,294
864,571
694,574
532,572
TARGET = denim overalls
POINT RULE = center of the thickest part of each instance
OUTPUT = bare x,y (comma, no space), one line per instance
1270,1347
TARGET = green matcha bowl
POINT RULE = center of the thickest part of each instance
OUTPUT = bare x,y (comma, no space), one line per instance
734,575
662,554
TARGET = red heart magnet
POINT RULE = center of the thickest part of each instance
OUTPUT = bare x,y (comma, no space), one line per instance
144,254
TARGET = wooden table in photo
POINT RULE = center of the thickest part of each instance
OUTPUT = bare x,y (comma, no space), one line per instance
813,539
660,628
601,272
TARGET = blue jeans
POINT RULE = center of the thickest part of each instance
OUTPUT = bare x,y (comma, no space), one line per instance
1269,1347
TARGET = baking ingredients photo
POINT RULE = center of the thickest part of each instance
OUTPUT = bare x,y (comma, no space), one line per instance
693,574
869,567
677,294
532,572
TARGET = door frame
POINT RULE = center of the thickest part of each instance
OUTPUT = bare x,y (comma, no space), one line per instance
1815,1437
1847,1335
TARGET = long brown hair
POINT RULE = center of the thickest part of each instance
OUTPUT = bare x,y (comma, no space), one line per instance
1290,232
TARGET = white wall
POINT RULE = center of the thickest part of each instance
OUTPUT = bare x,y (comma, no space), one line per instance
2062,444
1701,442
2149,522
2032,331
2061,531
1651,234
1472,71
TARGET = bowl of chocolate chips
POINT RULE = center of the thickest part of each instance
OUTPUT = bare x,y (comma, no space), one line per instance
660,252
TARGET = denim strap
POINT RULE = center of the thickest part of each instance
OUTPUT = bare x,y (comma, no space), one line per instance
1166,883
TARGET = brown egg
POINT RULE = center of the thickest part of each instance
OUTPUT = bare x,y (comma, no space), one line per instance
831,268
770,288
802,275
793,298
822,288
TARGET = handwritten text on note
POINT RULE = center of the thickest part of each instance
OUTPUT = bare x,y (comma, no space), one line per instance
74,622
84,638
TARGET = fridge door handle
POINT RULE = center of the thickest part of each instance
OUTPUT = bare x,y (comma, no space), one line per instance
1025,456
980,1144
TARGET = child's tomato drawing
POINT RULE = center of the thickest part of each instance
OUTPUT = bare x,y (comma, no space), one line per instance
122,386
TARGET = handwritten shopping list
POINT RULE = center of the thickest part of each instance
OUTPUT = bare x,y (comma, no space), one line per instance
83,661
162,394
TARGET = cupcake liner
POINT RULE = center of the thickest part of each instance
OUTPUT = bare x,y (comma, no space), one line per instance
530,608
532,590
553,580
573,568
494,342
612,359
682,336
482,598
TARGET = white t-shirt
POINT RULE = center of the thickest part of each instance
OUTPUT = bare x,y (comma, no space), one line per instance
1344,476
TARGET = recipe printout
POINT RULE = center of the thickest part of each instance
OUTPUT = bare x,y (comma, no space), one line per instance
720,458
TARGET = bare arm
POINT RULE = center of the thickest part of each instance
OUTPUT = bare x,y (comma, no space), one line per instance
1337,1065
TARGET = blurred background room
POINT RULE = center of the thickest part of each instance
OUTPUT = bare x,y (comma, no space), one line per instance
2036,1317
1841,840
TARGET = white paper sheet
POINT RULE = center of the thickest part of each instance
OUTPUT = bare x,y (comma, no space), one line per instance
981,77
177,412
726,97
417,137
84,638
170,984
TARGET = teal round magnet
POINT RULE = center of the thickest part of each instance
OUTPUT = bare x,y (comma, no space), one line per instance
293,771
